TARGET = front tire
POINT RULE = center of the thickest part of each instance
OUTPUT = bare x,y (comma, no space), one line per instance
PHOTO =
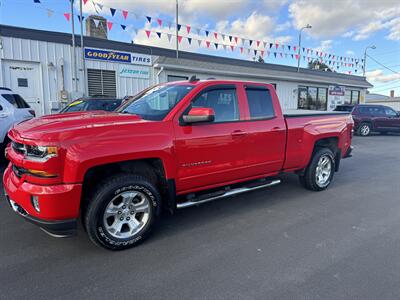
122,212
319,173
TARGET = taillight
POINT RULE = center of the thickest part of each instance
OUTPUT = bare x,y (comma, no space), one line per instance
32,112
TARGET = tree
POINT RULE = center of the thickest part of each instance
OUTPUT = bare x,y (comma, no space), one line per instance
317,65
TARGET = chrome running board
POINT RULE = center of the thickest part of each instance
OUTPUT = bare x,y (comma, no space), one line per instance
227,194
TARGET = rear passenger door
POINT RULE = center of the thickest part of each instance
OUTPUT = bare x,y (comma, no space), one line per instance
265,131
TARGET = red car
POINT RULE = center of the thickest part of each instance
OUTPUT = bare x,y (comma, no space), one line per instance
375,118
174,145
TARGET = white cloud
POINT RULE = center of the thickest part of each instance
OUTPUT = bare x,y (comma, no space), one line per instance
348,34
332,18
394,29
283,26
379,76
325,46
350,52
274,4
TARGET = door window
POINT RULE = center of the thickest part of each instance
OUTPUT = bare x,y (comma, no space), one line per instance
260,103
223,101
390,112
16,100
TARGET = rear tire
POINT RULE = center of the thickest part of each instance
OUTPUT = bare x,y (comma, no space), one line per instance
122,211
319,173
364,129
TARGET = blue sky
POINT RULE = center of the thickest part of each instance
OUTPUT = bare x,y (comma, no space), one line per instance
341,28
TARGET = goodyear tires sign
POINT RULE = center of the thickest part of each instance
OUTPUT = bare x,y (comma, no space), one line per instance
117,56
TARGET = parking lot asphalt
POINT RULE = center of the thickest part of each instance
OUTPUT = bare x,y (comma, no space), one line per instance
279,243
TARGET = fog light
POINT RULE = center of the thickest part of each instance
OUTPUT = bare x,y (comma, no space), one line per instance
35,203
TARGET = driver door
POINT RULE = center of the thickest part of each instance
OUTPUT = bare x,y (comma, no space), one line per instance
211,153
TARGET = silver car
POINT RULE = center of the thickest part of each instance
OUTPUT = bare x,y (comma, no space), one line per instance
13,110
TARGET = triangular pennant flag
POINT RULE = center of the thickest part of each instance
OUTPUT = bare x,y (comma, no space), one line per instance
262,53
148,32
112,10
304,49
136,31
109,25
297,57
216,45
179,39
250,42
223,45
36,1
100,6
294,48
255,52
232,48
248,51
199,42
169,37
79,18
159,21
123,26
281,54
159,34
230,38
283,47
125,14
276,46
292,55
258,43
223,37
265,45
67,16
207,32
50,13
308,50
236,39
216,35
179,26
288,47
275,54
208,44
270,45
316,52
169,24
198,31
189,40
148,19
241,50
188,29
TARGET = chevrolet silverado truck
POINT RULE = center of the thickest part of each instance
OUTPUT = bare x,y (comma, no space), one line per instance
172,146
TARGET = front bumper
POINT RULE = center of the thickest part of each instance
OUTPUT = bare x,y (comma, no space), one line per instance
348,152
59,204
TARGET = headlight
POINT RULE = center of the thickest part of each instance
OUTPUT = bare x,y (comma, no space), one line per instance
40,152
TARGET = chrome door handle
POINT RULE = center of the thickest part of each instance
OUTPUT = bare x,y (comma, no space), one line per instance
238,133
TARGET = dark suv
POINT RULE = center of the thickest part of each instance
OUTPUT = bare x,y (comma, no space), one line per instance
375,118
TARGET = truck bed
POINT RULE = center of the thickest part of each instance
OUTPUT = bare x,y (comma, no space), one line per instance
293,113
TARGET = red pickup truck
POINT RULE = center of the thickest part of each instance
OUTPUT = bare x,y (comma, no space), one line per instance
172,146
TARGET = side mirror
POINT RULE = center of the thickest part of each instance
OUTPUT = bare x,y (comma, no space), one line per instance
199,114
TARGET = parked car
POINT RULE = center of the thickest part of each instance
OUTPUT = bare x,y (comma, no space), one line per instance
375,118
344,107
173,146
13,109
93,103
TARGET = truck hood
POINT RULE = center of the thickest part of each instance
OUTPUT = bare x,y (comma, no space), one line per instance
52,127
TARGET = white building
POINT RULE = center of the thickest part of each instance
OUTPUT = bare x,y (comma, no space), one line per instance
38,65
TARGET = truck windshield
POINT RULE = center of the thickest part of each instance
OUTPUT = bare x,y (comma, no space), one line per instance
155,103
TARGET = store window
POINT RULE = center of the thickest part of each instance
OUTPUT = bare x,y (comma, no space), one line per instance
312,98
351,97
101,82
171,78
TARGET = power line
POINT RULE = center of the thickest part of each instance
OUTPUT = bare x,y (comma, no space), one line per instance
383,65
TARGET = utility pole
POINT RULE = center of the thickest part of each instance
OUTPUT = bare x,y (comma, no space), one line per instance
365,57
73,69
308,26
176,28
82,50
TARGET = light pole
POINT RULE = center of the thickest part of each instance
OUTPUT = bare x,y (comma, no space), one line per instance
365,56
308,26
